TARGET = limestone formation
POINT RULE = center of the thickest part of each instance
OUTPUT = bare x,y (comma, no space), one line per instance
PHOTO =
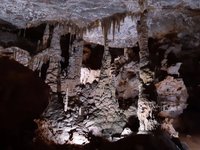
55,39
147,100
172,96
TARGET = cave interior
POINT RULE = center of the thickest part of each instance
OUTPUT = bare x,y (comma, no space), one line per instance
67,87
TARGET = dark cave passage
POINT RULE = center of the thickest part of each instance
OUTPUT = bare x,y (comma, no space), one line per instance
43,70
65,45
29,39
115,52
92,56
34,33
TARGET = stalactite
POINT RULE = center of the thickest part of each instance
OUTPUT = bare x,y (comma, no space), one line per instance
147,102
72,28
55,41
75,63
46,35
91,26
112,21
53,53
43,43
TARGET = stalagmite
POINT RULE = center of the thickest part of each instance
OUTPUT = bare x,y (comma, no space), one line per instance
104,96
65,100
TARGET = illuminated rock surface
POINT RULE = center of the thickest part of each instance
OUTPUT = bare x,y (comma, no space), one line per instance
46,36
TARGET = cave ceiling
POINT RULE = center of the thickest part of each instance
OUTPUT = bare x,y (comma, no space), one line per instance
90,17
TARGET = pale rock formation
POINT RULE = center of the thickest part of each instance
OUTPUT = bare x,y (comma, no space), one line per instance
18,54
48,129
172,96
174,70
78,139
38,60
126,82
88,75
126,132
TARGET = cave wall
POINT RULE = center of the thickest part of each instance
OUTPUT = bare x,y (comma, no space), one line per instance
57,53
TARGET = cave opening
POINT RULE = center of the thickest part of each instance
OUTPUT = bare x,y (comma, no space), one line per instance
34,33
115,52
33,39
65,43
43,71
28,38
92,56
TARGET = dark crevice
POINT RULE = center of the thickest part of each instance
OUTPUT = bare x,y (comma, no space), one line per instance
125,103
65,45
116,52
7,26
33,34
133,123
44,68
134,55
29,39
92,56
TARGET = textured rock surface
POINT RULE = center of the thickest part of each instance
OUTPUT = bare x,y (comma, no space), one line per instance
177,13
20,55
172,95
173,27
88,75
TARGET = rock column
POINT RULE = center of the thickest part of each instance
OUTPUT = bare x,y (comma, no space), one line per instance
147,103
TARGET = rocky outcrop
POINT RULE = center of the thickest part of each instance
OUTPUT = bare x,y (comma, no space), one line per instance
23,97
172,96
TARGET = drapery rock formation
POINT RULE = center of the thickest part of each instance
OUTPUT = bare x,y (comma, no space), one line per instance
88,54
